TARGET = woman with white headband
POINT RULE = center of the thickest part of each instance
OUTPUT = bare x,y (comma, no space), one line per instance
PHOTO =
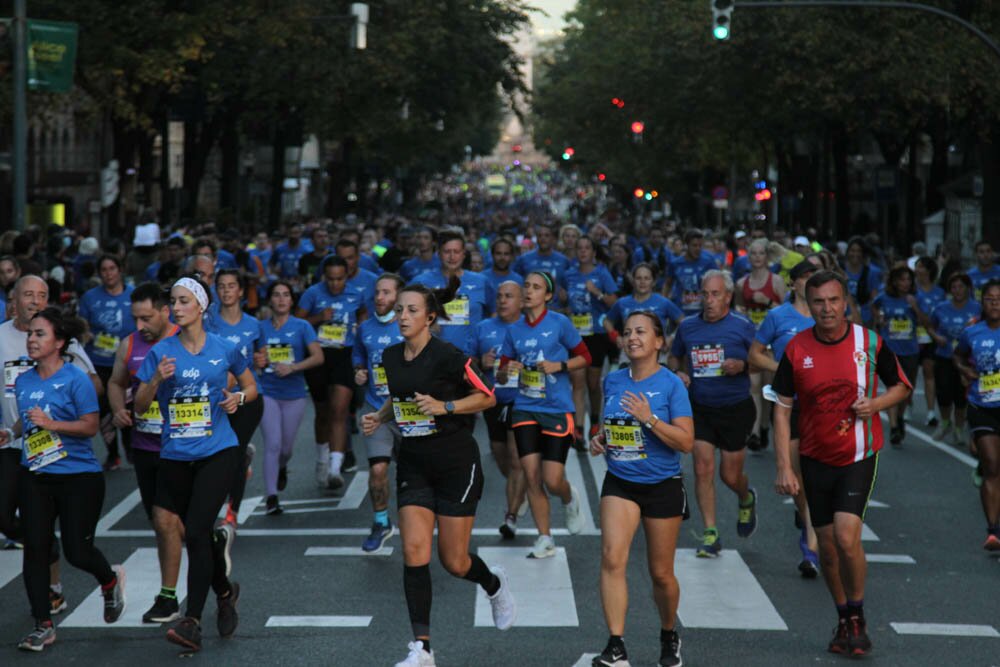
188,375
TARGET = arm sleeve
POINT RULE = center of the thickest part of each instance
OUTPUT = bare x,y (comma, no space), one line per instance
784,379
581,350
308,333
84,308
307,301
888,368
608,284
679,401
673,312
569,336
359,355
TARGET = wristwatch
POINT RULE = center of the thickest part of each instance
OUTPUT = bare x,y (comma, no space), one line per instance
653,419
243,398
449,407
565,367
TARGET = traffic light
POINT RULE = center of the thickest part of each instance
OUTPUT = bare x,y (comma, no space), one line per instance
638,192
638,127
618,102
568,153
761,191
722,15
601,177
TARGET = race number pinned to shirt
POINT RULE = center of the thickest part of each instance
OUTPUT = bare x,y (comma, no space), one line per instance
332,335
279,353
12,370
411,420
190,417
106,343
691,299
900,328
381,383
624,440
706,361
757,315
42,447
458,311
922,336
150,421
513,376
583,323
532,382
989,386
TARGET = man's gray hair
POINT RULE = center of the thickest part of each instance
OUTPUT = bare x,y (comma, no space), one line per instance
727,278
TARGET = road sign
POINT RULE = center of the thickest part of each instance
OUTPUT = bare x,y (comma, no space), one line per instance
720,192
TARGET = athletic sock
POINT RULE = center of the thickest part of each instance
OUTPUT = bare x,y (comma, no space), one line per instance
479,573
108,586
617,641
843,612
382,518
426,642
856,608
169,593
336,460
322,451
56,588
417,587
667,635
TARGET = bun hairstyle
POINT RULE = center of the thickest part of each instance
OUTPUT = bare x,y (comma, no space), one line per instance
434,300
65,327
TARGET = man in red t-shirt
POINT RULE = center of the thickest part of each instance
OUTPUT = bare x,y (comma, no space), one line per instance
833,370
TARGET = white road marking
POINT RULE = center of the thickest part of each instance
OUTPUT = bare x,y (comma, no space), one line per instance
871,503
347,551
585,660
867,534
574,474
947,449
10,565
542,588
900,559
723,593
118,512
299,510
246,509
599,468
142,584
356,492
310,501
318,621
945,629
335,532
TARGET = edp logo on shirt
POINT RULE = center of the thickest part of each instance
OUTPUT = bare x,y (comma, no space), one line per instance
191,373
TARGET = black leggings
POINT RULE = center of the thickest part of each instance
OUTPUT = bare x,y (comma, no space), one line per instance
244,421
10,471
76,499
948,384
194,491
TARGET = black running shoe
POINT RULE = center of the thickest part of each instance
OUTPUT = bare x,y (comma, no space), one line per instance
764,437
282,478
896,435
187,633
753,442
273,506
164,610
508,529
226,617
350,462
614,655
114,597
839,644
857,637
670,650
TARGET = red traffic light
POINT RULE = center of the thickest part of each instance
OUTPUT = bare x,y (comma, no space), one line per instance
762,195
601,177
638,127
569,151
638,192
618,102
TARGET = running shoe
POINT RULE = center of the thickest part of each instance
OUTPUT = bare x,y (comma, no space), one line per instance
944,427
746,522
809,565
574,512
508,529
753,443
670,649
544,547
502,602
226,616
839,643
43,635
12,545
417,657
350,461
992,542
112,463
932,419
377,538
251,450
764,438
857,637
523,509
57,602
335,481
322,467
960,436
273,506
711,545
282,478
114,598
164,610
895,436
187,633
225,535
613,655
977,476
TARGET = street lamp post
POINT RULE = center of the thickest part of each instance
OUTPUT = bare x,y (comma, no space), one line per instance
19,157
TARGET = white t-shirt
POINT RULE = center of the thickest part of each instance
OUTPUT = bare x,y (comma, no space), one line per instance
14,361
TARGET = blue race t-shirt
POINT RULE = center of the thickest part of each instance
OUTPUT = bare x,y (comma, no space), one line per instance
194,424
982,344
707,345
780,325
490,335
549,339
66,396
495,280
862,292
632,451
948,321
287,258
927,301
339,331
110,319
900,328
415,266
980,278
664,308
287,345
686,275
245,335
586,310
373,338
554,263
474,299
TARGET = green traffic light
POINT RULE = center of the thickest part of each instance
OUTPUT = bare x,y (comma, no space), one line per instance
565,156
721,32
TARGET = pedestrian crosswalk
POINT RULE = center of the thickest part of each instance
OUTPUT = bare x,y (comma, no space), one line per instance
543,588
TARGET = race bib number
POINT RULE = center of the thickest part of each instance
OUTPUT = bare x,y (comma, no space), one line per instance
150,421
900,329
13,370
381,383
532,383
458,312
706,361
922,335
280,354
584,324
42,447
106,343
757,315
190,417
412,421
513,376
332,335
624,440
691,300
989,387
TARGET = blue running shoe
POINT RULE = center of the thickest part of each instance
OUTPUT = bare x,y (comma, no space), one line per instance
711,545
377,538
746,523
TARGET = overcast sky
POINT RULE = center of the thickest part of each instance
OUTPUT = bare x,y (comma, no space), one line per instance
555,9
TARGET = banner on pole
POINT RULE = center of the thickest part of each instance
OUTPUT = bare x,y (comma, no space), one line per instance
51,55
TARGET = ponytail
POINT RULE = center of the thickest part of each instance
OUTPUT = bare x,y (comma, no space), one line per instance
434,300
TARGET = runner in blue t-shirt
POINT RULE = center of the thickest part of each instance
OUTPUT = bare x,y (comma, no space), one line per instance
375,334
60,477
188,375
683,282
490,336
544,258
502,252
288,349
929,296
985,270
946,324
543,348
335,311
642,298
977,357
897,315
647,426
712,349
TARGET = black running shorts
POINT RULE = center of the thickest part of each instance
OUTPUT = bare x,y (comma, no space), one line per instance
983,421
444,476
727,427
663,500
830,489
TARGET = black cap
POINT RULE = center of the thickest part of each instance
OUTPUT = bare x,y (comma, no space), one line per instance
802,268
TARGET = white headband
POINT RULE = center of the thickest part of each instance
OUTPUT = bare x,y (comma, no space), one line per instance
195,288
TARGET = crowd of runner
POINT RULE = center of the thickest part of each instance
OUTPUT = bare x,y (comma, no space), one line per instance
638,340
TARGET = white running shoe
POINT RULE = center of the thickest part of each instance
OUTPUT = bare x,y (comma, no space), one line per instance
321,473
931,419
417,657
574,515
523,509
544,547
502,602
